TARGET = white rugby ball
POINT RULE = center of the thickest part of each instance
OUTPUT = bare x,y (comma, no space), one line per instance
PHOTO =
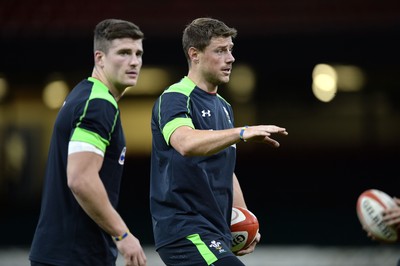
370,205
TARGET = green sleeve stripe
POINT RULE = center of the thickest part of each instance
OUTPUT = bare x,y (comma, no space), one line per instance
113,126
205,252
174,124
84,135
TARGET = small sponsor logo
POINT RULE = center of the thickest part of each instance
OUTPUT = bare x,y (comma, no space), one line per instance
122,156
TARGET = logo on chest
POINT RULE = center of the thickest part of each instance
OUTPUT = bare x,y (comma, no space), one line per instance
205,113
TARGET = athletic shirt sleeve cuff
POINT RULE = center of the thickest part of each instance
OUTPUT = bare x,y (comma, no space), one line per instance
78,146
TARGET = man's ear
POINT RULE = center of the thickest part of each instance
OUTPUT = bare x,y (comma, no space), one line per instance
193,55
98,58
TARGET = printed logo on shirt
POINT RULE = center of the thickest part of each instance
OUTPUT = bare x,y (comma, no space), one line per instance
122,156
205,113
217,245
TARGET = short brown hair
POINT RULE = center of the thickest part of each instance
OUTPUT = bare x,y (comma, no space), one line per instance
200,31
110,29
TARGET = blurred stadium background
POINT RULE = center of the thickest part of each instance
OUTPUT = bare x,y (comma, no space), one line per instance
327,71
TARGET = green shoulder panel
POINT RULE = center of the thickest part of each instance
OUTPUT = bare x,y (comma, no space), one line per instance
100,91
185,86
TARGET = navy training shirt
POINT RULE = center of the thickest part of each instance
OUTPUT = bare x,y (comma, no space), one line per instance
190,195
65,234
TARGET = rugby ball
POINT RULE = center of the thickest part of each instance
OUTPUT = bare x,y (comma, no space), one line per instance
370,205
244,228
